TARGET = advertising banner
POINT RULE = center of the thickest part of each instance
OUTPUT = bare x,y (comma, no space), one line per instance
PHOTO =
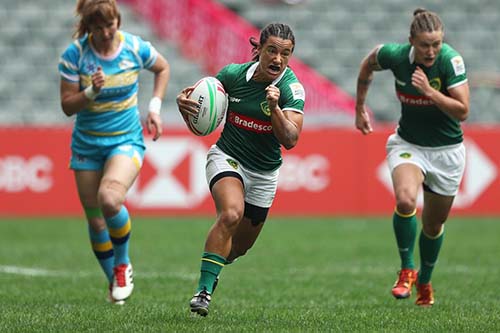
330,172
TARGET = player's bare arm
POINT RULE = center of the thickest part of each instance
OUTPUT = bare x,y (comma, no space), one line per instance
161,70
286,125
73,100
456,105
365,77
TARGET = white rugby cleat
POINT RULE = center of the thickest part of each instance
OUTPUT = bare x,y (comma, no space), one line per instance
123,282
110,298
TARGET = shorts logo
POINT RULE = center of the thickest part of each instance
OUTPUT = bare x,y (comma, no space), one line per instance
80,158
232,163
265,108
435,83
405,155
125,148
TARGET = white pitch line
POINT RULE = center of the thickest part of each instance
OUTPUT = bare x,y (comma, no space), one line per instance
30,271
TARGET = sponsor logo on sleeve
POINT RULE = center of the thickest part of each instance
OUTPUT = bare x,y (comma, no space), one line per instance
298,91
458,65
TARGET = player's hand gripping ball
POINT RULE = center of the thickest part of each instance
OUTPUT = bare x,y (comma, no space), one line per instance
212,106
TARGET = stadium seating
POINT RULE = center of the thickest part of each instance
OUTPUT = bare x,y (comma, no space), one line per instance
34,33
332,37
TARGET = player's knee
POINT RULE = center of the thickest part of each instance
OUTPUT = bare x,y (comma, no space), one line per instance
229,218
97,225
111,197
433,230
405,203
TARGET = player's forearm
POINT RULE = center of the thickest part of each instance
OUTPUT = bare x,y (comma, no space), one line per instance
365,78
72,104
285,130
449,105
161,80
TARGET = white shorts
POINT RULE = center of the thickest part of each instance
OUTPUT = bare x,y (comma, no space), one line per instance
260,187
443,167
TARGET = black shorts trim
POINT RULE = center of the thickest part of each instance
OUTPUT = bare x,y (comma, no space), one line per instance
223,175
256,214
428,189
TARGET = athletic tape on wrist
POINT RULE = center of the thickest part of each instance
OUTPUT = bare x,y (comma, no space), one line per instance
90,93
155,105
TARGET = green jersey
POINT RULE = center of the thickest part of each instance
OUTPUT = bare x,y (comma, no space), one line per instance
248,133
423,123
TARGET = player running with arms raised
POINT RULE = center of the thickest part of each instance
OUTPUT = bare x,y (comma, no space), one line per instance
426,150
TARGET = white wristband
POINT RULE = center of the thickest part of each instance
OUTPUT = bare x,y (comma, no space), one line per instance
90,93
155,105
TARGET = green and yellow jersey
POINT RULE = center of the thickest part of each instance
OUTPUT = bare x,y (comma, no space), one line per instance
423,123
248,133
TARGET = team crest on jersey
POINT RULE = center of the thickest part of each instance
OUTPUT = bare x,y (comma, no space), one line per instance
435,83
232,163
91,68
264,107
405,155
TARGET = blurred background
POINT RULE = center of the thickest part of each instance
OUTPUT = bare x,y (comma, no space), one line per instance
199,37
332,38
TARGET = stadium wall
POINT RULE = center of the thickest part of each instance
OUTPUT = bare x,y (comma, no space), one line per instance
330,172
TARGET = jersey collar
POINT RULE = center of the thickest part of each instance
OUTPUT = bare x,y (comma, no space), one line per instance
411,55
112,56
253,68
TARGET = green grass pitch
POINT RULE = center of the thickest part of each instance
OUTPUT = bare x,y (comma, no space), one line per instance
303,274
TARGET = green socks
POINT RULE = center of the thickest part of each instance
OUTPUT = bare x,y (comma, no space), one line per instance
429,251
405,229
211,265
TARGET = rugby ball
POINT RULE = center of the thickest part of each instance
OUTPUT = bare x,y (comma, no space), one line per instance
212,106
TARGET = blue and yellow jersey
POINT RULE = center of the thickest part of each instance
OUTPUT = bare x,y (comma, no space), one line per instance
115,110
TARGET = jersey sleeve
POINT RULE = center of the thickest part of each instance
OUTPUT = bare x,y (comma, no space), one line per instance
388,53
292,95
68,63
226,77
146,52
454,69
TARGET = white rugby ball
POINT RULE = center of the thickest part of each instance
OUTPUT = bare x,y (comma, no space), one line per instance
212,106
